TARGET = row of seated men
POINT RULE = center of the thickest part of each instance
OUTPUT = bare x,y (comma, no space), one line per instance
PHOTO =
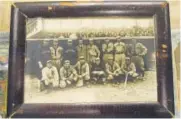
81,73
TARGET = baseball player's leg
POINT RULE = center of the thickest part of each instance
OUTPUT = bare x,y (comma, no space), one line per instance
91,61
130,78
134,75
71,81
39,85
97,76
134,60
62,84
80,82
55,82
122,77
58,64
68,82
86,77
110,77
120,72
122,59
74,78
94,76
140,66
105,58
47,82
116,78
102,77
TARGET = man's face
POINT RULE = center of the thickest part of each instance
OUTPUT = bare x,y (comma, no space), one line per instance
80,42
69,43
49,65
67,65
97,62
91,42
128,61
55,43
82,61
107,41
138,50
110,61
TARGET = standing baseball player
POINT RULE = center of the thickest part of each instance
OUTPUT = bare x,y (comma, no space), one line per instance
56,54
138,52
81,50
107,49
70,52
93,52
120,53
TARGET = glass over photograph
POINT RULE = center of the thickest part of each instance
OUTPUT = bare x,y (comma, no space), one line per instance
90,60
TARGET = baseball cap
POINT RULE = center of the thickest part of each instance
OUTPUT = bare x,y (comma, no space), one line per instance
49,61
127,58
67,61
81,57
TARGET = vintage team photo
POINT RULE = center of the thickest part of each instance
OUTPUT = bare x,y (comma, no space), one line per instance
90,60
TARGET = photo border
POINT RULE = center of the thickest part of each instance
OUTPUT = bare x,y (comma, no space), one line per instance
164,108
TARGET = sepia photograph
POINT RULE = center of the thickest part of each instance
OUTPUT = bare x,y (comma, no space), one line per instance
90,60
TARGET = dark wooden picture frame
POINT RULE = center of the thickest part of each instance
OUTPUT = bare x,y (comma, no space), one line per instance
159,10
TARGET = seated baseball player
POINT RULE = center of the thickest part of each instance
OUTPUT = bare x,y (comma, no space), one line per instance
113,70
68,75
50,75
98,74
129,69
83,73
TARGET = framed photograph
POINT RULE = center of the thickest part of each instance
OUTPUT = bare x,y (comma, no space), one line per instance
90,59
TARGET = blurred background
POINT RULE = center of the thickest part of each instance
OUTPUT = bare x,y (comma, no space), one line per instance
5,7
